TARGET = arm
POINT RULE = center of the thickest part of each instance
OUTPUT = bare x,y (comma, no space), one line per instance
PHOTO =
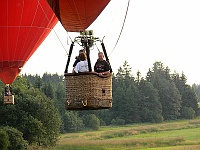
104,73
95,67
76,68
76,61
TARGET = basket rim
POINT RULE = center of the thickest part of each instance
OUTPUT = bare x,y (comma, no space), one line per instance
87,73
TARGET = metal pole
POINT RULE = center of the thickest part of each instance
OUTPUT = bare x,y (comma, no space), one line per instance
106,56
88,56
69,56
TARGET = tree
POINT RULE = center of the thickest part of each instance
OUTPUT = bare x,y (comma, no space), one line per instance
43,110
130,109
32,109
92,122
16,139
189,99
14,116
124,73
48,90
169,95
32,129
196,87
187,112
118,102
72,122
170,99
38,82
149,105
4,140
125,96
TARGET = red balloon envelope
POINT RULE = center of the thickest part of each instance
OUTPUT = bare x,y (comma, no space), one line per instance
24,24
77,15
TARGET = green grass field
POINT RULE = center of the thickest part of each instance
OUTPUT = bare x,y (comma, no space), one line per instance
179,135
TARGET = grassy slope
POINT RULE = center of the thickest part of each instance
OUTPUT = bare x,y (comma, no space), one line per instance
184,134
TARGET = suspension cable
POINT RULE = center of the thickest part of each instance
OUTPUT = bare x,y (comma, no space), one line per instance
97,47
121,28
53,28
60,40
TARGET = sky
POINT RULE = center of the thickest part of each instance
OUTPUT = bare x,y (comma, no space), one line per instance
154,30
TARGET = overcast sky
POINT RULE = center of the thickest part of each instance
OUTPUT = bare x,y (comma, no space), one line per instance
155,30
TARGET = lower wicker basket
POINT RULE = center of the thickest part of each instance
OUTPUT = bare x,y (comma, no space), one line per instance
88,91
9,99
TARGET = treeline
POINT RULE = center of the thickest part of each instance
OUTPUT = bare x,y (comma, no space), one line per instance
157,97
39,114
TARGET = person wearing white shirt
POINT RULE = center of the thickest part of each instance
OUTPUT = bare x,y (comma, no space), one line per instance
82,66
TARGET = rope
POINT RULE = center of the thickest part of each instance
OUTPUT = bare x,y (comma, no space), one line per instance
121,28
97,47
69,37
53,28
60,41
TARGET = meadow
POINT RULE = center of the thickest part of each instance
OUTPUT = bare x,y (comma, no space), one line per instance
173,135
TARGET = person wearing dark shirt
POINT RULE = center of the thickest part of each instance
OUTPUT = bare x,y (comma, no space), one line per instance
102,67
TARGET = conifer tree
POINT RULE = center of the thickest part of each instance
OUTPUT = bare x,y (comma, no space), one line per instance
169,95
149,106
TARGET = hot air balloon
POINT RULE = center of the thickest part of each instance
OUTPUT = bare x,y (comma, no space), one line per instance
24,24
77,15
83,90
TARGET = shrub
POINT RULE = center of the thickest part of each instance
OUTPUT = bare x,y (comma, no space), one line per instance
113,122
17,142
120,121
4,140
93,122
187,113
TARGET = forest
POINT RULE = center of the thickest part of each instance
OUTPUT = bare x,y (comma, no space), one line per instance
39,116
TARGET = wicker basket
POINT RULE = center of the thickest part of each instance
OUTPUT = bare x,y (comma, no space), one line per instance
88,91
9,99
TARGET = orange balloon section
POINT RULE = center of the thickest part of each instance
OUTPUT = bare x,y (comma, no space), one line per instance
77,15
24,24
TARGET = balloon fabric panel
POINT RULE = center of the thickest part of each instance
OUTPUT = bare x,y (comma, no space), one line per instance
24,24
77,15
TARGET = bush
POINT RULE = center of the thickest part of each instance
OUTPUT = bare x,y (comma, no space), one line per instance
120,121
17,142
187,113
93,122
72,122
4,140
113,122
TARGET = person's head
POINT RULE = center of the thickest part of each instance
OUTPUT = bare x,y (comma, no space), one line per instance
82,56
100,56
82,51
